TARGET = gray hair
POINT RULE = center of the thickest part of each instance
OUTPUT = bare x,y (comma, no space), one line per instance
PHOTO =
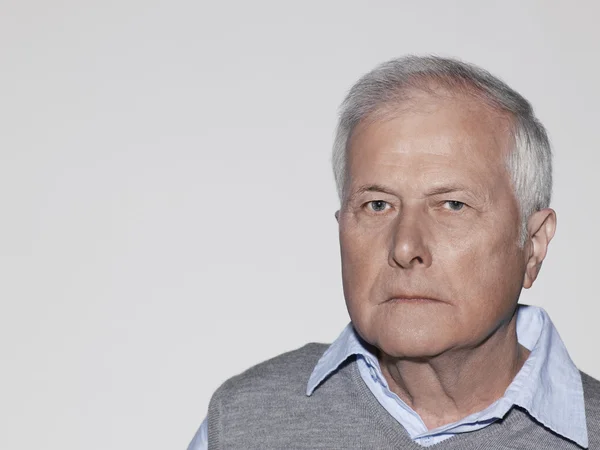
530,162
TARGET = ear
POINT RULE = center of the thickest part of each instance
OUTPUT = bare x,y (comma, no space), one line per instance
540,229
337,215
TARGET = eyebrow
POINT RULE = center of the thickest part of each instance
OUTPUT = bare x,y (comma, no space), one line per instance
371,188
446,189
438,190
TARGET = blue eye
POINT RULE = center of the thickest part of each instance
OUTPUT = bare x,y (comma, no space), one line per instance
454,205
378,205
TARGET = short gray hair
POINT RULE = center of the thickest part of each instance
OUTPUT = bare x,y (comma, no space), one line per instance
529,164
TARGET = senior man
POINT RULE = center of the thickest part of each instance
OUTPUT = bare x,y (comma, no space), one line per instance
444,176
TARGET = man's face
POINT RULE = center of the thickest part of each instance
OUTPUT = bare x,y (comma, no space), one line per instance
429,228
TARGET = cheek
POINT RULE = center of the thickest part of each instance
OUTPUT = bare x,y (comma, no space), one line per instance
355,265
486,279
363,258
361,249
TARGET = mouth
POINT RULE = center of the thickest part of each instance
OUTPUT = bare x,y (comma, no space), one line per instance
412,299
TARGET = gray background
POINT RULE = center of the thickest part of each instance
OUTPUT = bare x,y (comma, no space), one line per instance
167,202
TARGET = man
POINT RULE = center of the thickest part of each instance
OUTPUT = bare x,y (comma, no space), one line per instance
444,176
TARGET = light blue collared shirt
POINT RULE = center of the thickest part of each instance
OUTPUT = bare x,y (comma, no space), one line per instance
548,386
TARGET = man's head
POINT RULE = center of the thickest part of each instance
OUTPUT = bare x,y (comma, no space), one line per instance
444,176
388,88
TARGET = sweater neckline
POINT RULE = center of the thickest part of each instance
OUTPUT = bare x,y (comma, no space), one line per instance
398,436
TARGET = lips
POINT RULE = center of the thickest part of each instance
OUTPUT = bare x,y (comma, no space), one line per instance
403,298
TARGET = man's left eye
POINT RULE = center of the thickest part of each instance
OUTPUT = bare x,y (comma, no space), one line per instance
454,205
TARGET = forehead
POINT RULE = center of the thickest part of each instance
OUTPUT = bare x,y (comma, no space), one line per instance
432,137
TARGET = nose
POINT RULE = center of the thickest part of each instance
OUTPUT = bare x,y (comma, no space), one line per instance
409,248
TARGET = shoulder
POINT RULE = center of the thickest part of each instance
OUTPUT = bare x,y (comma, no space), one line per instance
288,370
591,389
261,395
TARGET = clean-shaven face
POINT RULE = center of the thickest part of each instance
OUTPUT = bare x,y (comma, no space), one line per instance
429,227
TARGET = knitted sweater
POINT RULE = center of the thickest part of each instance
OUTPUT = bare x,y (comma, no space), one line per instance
266,407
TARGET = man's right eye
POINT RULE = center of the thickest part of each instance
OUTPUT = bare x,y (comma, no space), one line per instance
377,205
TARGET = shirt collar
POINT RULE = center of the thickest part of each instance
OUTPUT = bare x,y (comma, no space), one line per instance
548,386
347,344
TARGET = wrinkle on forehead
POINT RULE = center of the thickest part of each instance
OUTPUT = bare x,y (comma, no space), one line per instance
463,138
467,108
429,95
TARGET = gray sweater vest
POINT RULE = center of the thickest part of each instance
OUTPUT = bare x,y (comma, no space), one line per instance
266,407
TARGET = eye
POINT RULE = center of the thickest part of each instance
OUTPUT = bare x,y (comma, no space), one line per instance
378,205
453,205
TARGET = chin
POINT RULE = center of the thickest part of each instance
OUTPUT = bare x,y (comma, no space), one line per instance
408,340
399,335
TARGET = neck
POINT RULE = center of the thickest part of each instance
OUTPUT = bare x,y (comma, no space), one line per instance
448,387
